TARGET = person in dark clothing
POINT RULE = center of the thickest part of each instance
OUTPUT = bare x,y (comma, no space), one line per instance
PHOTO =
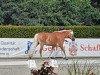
61,28
43,70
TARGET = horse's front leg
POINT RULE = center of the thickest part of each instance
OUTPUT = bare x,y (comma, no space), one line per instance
40,53
63,49
51,51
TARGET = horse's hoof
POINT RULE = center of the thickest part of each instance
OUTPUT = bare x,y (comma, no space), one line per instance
52,57
49,57
30,58
66,58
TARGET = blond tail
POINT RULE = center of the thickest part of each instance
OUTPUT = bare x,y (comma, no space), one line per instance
35,43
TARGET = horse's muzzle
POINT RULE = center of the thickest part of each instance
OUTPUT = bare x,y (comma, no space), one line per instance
73,39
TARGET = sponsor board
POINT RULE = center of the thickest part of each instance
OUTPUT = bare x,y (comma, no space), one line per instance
19,47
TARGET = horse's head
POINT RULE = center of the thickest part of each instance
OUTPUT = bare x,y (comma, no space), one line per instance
69,34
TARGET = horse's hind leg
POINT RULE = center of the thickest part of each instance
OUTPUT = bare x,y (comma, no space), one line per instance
41,48
51,51
62,48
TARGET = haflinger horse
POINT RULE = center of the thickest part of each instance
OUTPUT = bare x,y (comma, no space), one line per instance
54,39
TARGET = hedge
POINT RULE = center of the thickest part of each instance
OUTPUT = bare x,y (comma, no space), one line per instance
30,31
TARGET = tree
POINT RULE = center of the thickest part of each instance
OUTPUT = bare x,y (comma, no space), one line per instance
1,16
49,12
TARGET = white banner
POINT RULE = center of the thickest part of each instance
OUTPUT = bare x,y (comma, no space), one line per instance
19,47
14,47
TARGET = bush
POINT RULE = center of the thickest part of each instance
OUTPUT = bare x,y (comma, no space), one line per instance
77,67
30,31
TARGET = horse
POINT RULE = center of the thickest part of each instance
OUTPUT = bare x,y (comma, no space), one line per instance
54,39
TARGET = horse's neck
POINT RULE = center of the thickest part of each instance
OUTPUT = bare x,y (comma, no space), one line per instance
59,35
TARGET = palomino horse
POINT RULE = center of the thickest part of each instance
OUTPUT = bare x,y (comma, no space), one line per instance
54,39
